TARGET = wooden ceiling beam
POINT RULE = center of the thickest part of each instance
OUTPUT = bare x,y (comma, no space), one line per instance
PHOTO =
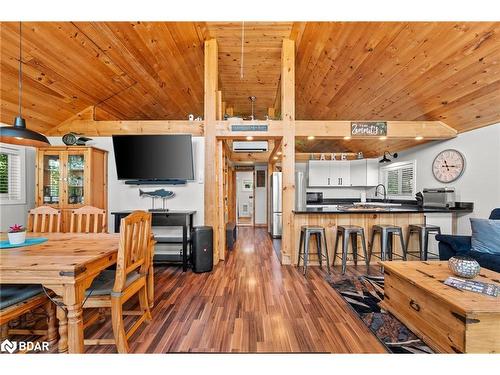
430,130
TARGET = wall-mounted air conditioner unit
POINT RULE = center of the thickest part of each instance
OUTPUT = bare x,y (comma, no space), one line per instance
250,146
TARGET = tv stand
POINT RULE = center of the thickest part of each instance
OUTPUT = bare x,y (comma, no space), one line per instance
156,182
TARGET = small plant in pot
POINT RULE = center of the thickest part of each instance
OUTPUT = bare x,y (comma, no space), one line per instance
17,234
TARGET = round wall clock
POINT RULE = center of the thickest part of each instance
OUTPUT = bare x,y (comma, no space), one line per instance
448,166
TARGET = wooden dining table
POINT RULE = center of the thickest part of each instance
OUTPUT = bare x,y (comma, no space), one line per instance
66,264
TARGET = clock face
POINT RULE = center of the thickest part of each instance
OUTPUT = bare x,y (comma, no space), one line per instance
448,166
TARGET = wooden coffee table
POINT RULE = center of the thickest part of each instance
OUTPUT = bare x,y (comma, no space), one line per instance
449,320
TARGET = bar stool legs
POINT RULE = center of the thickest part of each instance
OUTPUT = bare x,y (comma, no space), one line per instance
423,232
386,233
349,233
305,237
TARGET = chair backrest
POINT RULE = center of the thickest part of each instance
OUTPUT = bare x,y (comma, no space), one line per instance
134,247
88,219
495,214
44,219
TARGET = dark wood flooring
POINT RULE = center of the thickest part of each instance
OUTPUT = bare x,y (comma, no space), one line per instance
250,303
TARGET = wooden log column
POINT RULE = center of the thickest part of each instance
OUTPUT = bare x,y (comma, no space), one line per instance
210,109
288,147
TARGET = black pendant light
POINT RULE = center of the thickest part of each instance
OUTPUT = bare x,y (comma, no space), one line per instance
18,134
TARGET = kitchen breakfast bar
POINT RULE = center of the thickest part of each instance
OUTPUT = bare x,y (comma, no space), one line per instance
366,216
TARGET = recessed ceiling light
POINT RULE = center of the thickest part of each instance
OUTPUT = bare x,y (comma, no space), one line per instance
275,158
279,153
383,138
419,138
311,137
249,138
347,137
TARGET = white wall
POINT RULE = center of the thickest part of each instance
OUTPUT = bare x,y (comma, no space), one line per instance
480,182
261,198
18,213
126,197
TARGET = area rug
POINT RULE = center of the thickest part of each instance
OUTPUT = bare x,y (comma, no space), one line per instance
363,293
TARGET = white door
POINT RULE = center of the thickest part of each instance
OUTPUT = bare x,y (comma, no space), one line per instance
319,173
245,198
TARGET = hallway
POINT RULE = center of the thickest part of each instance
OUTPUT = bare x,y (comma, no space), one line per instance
250,303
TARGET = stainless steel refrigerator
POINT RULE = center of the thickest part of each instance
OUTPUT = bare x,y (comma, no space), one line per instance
276,214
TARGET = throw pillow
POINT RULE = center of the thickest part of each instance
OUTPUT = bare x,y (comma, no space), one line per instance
485,236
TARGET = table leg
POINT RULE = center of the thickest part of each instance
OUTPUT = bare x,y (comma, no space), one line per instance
72,299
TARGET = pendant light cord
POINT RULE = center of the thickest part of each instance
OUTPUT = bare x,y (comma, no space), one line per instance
20,69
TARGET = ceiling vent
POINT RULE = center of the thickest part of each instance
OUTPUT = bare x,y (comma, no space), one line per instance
250,146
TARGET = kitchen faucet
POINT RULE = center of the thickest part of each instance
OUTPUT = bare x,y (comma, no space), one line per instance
385,191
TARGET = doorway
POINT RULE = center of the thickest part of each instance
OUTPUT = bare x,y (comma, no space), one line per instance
245,198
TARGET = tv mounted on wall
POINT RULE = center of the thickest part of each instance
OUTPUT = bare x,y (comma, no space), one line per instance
154,159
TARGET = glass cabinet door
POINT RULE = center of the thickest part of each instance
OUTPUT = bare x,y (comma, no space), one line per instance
75,179
51,179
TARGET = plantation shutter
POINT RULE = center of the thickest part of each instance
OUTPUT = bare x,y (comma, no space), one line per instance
400,179
11,175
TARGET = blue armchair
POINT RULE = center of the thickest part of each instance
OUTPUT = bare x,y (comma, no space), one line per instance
461,245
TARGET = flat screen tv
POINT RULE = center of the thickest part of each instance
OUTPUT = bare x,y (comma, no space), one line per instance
154,157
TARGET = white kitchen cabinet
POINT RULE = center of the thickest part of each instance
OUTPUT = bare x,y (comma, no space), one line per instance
329,173
319,173
343,173
364,172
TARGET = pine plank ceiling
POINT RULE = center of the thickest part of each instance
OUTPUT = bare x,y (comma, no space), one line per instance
344,70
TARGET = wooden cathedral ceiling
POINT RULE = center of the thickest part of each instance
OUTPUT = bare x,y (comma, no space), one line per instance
154,70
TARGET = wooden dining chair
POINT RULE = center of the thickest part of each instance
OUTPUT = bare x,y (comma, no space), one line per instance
44,219
18,300
88,219
112,288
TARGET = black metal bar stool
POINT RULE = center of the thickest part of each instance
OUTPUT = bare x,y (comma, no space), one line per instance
350,232
386,233
305,236
423,231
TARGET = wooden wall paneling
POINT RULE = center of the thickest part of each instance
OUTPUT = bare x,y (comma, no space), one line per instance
288,146
211,82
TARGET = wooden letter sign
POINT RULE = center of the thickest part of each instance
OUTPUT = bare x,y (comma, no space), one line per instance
369,128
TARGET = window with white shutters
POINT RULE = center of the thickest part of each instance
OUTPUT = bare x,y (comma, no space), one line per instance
12,175
399,179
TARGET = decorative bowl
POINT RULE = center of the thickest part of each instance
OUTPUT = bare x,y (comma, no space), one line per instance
464,266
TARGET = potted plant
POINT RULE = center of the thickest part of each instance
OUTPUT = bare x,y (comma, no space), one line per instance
17,234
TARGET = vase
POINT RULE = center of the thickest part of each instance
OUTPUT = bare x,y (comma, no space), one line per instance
17,237
464,266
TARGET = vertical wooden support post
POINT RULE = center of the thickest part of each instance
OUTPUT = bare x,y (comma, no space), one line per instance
210,109
218,115
288,148
221,220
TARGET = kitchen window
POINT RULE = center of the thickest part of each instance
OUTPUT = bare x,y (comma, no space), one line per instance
12,175
400,180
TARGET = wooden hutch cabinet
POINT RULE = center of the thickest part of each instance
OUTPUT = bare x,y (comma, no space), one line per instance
71,177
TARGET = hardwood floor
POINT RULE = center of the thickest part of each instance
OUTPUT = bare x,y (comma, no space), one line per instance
250,303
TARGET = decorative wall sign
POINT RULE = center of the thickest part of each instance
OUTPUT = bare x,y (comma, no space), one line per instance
249,128
368,128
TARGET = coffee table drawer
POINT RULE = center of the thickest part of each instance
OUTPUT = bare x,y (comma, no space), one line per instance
435,322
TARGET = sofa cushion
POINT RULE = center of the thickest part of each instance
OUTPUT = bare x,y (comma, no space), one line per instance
104,282
485,236
11,294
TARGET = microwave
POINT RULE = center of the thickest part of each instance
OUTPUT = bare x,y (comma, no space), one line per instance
314,197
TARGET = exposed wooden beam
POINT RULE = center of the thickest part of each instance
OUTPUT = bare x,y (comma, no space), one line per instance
255,157
108,128
87,114
223,129
210,111
288,158
395,129
277,146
